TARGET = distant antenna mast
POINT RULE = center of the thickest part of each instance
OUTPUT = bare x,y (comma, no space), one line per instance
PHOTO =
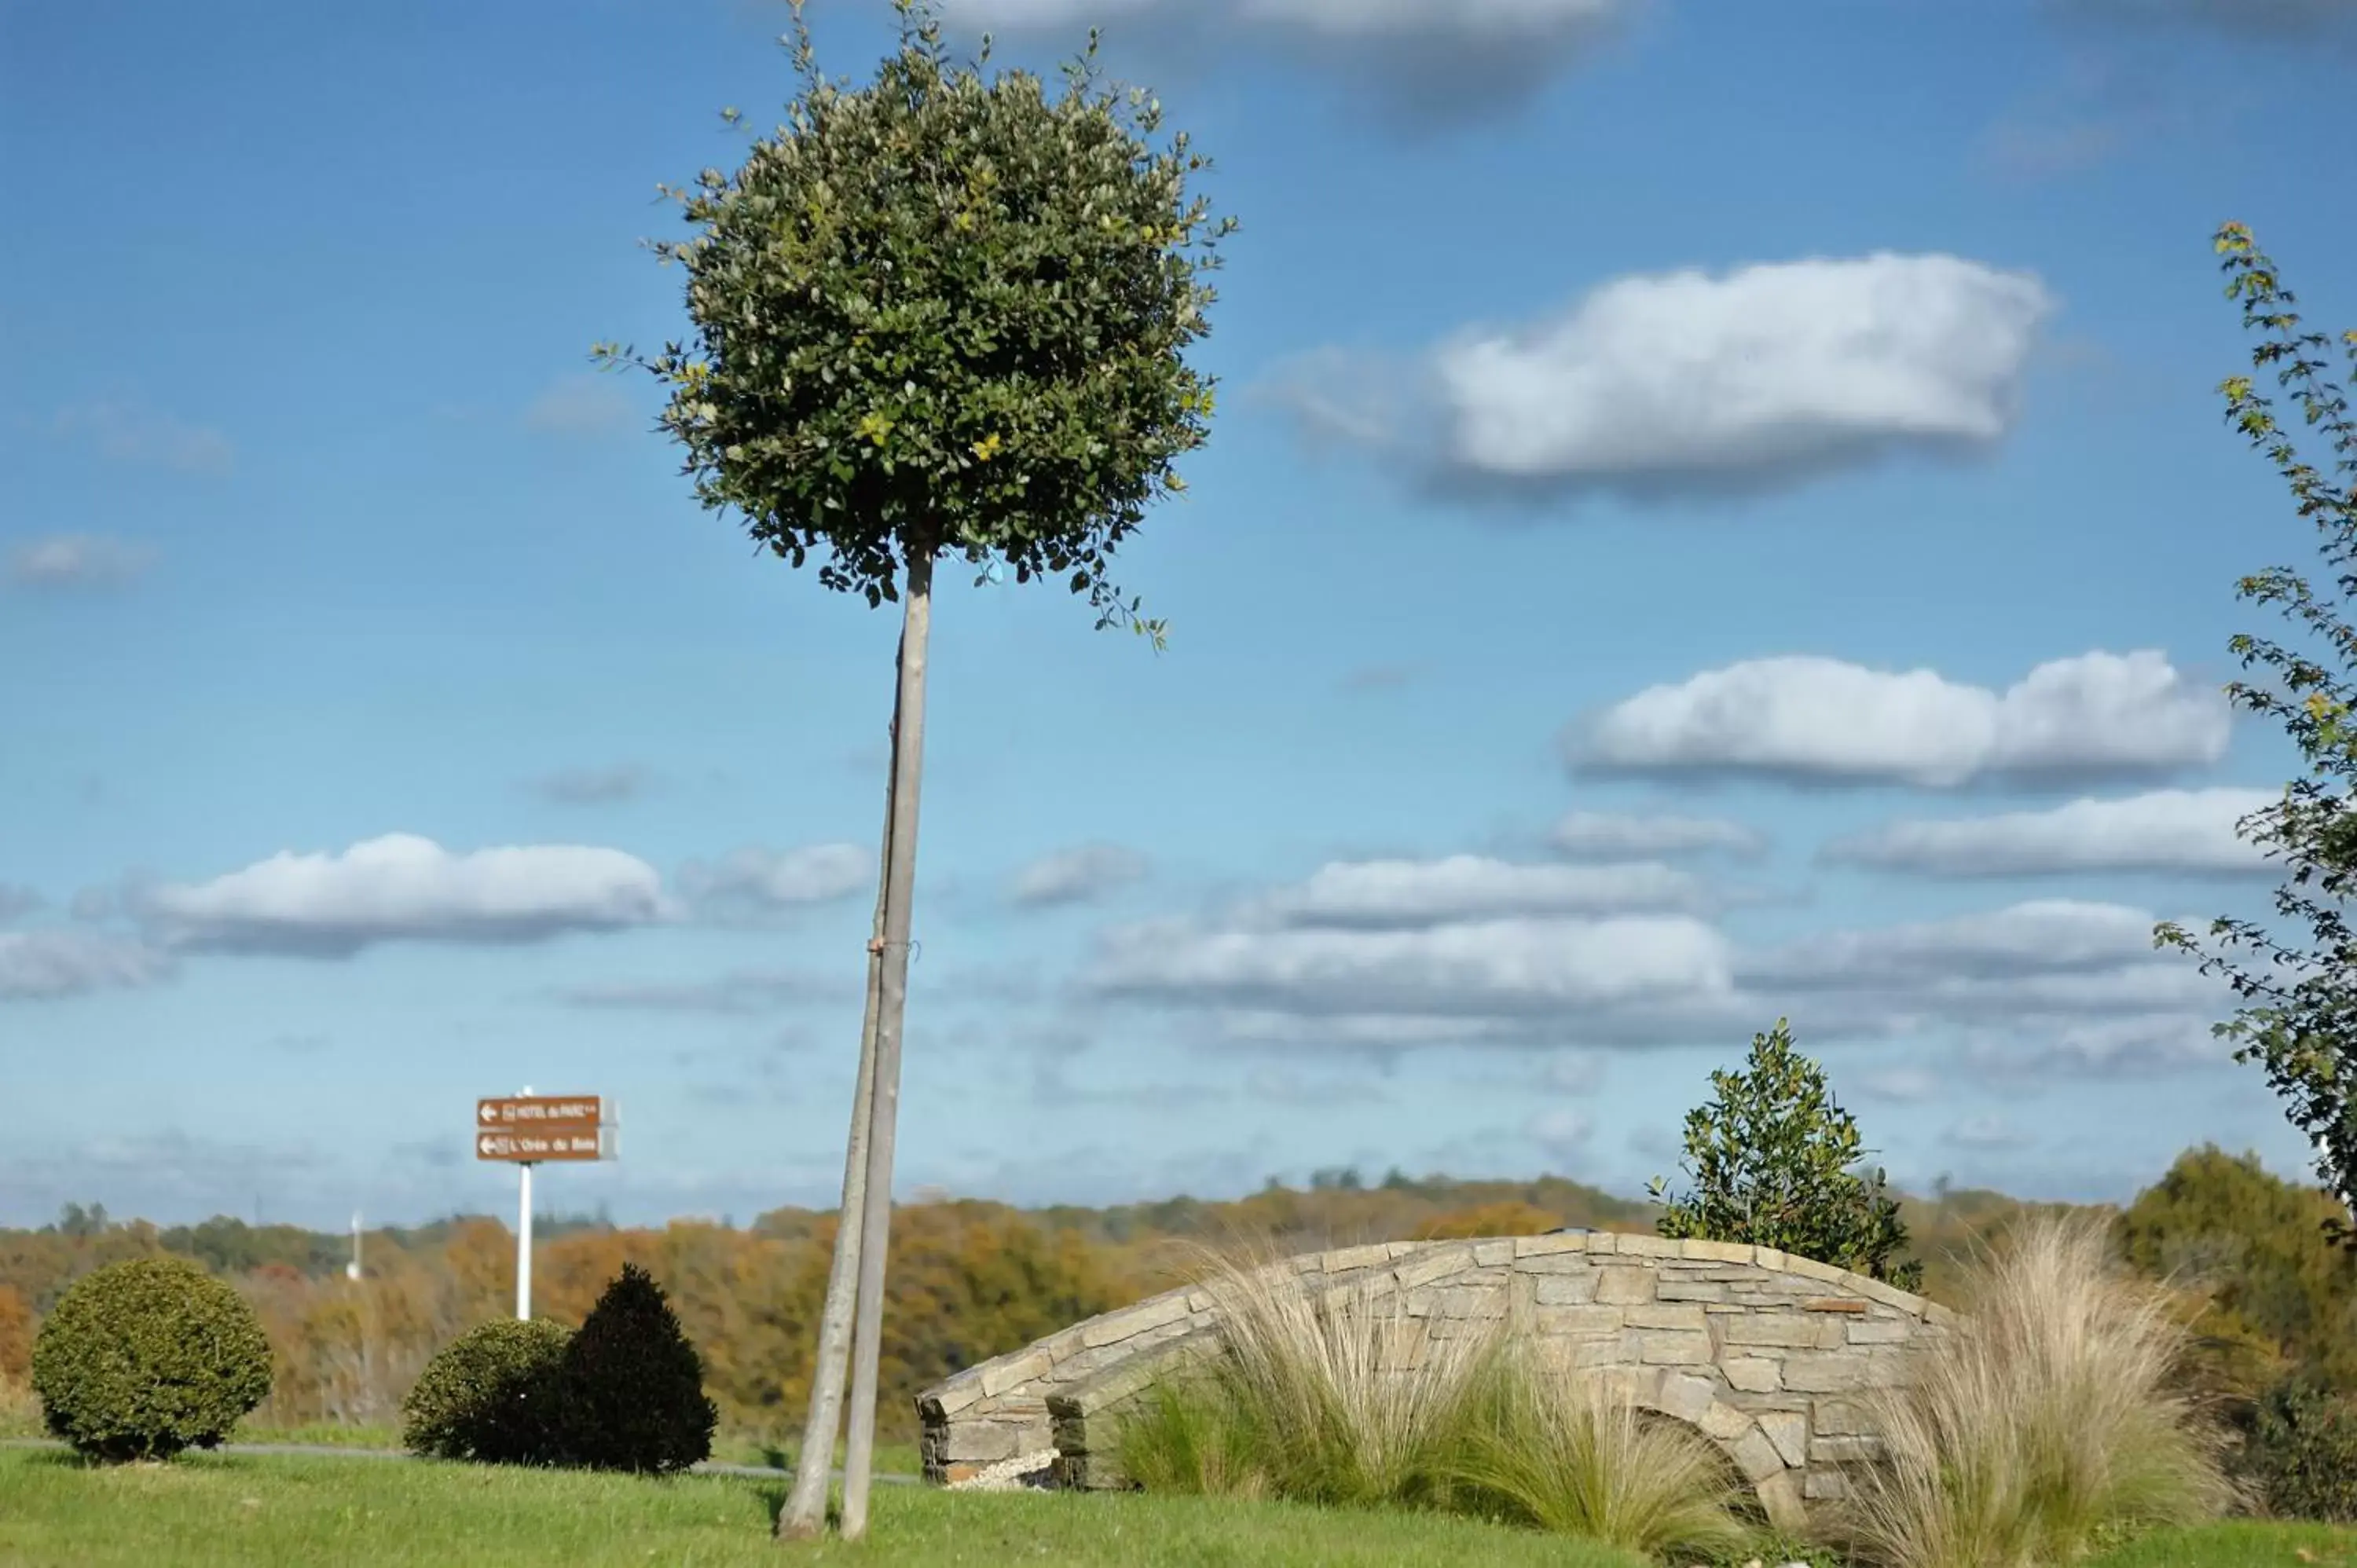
353,1269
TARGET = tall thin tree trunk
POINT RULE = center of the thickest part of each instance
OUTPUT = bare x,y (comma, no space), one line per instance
804,1514
892,1000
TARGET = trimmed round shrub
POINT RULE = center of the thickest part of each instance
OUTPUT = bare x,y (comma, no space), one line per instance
144,1358
633,1386
489,1395
2300,1455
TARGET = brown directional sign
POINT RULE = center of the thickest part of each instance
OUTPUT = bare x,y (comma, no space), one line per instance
539,1146
543,1127
541,1113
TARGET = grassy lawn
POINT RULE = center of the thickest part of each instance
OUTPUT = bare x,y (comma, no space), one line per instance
224,1510
264,1511
2240,1543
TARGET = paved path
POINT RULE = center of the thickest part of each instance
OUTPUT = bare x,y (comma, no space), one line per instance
330,1451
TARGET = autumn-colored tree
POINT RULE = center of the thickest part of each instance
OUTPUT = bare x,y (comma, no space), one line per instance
2277,1295
17,1326
1508,1218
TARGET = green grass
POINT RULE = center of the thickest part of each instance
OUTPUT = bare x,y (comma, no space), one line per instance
213,1511
2239,1543
320,1434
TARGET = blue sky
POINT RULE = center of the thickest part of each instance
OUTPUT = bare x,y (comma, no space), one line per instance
1716,512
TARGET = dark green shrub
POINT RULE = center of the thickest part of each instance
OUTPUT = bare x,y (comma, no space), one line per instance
489,1395
633,1386
2300,1457
1776,1162
144,1358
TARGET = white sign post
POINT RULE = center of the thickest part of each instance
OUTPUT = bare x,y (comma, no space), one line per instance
524,1131
524,1235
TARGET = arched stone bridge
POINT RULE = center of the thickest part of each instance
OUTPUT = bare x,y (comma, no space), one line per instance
1763,1352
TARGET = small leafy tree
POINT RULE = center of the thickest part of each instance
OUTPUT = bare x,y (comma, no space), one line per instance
1773,1161
2300,989
939,314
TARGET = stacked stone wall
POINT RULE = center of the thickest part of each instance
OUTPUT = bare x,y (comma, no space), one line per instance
1764,1353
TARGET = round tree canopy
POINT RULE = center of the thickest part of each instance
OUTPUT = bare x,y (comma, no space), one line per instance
944,313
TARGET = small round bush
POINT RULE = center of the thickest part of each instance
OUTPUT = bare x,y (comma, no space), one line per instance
489,1395
2300,1455
144,1358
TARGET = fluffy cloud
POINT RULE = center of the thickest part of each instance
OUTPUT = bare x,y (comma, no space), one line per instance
1608,835
756,884
1804,717
77,560
46,964
1561,1132
127,433
16,901
1517,967
1986,1132
2188,831
1424,63
749,991
1684,383
1375,894
593,786
2045,989
1077,876
404,887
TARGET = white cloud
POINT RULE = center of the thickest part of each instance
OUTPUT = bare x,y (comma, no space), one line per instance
1274,1086
404,888
759,883
2189,831
1561,1132
47,964
1519,20
1608,835
1077,876
16,901
126,433
1425,62
2050,989
1500,966
1397,893
593,786
1572,1072
1688,383
1906,1085
578,405
1808,717
749,991
77,560
1988,1132
2038,936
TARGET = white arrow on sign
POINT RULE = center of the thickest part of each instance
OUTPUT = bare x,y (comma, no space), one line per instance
489,1113
487,1145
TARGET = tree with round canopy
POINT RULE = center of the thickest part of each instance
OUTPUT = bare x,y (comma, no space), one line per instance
943,314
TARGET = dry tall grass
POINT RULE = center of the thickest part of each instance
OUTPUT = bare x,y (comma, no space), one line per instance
2053,1415
20,1407
1571,1453
1345,1399
1341,1400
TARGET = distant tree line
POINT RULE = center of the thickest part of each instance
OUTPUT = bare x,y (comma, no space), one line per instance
2266,1291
